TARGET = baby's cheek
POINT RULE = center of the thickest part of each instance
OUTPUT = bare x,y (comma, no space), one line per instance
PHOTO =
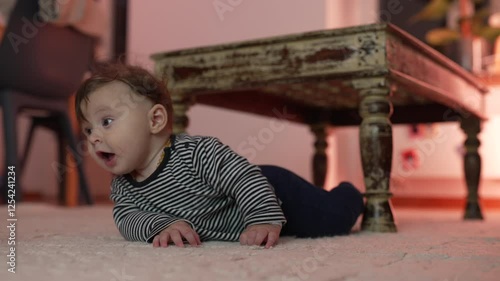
93,155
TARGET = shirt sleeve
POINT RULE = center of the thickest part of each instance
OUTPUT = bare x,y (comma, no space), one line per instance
224,169
135,224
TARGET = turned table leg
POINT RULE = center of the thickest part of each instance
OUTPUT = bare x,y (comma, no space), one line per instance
180,105
319,158
375,137
472,166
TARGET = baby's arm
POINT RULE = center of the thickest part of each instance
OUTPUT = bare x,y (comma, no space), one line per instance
235,176
137,225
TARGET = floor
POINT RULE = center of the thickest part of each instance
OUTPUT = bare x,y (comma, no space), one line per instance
55,243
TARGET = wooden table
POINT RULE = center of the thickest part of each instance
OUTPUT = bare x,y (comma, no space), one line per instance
372,76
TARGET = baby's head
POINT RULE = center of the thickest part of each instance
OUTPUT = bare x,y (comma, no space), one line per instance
126,114
140,81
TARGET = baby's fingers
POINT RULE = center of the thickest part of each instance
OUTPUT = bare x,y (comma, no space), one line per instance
164,239
247,238
177,238
191,237
156,241
260,237
272,238
198,238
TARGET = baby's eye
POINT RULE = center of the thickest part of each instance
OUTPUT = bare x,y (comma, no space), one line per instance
106,122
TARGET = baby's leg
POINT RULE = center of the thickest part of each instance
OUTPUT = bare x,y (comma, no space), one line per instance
310,210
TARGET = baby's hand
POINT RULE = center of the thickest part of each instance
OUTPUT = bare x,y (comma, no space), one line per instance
259,233
175,233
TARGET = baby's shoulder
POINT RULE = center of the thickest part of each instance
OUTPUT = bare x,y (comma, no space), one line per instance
185,141
119,183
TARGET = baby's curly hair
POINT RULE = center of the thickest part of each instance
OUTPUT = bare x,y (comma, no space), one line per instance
139,79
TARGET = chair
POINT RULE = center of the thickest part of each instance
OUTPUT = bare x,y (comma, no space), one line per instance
41,66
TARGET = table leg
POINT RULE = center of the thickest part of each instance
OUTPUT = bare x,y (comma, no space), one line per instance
319,158
472,166
180,105
375,137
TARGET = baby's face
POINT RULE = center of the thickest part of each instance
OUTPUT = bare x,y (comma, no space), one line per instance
117,130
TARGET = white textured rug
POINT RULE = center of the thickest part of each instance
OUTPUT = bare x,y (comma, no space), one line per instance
54,243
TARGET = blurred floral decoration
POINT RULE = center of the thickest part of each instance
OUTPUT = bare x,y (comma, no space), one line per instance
470,22
410,159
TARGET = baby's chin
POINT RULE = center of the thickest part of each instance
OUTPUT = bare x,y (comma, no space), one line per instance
115,170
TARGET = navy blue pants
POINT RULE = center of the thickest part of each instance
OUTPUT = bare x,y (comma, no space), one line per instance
311,211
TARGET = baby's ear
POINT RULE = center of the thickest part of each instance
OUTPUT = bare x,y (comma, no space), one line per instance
157,118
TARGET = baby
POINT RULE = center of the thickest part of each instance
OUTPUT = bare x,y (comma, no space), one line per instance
177,188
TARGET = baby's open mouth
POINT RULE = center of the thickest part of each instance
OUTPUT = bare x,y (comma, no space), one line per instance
105,155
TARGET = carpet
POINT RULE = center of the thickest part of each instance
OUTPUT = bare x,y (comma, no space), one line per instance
56,243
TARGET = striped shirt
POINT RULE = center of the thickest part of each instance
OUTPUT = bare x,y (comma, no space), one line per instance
200,181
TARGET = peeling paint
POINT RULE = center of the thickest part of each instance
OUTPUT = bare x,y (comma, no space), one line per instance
326,54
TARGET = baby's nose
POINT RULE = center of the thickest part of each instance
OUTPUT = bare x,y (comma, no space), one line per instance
95,137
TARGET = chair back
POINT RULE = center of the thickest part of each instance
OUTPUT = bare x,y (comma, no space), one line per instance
40,58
